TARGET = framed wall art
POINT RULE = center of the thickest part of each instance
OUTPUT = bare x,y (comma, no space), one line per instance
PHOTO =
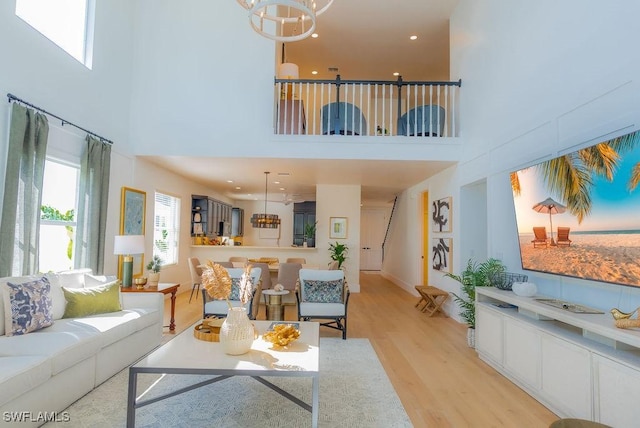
338,228
442,254
132,215
441,215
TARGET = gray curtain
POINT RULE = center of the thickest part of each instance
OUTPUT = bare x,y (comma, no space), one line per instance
92,206
20,225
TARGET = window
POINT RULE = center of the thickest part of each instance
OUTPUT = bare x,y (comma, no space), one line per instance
58,215
166,228
67,23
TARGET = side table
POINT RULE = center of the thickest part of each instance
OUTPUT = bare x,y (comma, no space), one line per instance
432,297
275,310
164,288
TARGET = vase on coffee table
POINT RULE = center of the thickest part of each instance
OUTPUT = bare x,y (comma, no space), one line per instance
237,332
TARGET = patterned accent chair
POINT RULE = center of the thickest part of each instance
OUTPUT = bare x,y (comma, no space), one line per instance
323,295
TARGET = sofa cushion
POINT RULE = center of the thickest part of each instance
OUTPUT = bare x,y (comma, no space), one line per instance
93,280
115,326
93,300
3,282
22,374
68,279
318,291
27,306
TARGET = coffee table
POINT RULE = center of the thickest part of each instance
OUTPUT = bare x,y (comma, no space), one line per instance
187,355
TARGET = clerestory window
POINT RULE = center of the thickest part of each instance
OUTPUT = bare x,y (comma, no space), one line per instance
67,23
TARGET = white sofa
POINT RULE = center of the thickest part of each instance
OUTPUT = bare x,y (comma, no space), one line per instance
44,371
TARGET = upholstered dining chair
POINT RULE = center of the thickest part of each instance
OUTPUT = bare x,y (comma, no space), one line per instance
288,277
219,308
265,279
300,260
323,295
238,259
196,276
225,264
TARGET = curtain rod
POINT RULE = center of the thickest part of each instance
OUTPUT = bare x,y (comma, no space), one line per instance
12,97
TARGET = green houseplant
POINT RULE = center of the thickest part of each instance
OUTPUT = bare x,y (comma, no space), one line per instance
338,252
310,234
474,275
154,266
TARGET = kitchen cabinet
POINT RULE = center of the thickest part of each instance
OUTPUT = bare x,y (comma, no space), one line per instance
210,216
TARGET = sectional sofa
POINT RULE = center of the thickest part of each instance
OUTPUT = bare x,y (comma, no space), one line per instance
44,371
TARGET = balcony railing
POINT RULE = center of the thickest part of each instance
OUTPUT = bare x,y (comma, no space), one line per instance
366,108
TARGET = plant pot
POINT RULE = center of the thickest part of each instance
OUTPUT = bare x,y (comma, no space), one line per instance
471,337
153,278
236,333
311,242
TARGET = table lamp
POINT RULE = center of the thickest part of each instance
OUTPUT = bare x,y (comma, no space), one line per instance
126,246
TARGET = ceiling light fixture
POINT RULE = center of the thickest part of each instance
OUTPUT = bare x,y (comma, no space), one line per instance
284,20
414,37
265,221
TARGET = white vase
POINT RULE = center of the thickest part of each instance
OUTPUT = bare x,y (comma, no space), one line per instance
471,337
236,333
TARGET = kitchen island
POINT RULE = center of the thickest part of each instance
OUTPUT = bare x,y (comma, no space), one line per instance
219,253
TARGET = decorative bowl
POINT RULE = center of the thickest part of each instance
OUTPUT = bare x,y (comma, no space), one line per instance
140,281
281,335
524,289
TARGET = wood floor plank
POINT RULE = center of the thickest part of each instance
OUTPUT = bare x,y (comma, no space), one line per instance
439,379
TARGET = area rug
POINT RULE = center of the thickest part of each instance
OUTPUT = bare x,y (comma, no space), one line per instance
354,392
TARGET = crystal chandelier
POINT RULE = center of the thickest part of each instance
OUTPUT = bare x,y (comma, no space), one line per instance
284,20
265,221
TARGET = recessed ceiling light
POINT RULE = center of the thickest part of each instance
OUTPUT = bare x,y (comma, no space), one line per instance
314,72
396,74
238,187
276,182
314,35
282,188
229,181
414,37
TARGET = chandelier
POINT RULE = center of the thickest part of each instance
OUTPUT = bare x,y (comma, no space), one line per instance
265,221
284,20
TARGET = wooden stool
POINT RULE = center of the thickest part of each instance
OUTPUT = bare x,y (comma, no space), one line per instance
432,297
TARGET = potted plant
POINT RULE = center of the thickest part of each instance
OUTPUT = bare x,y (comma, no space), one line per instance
338,252
153,267
474,275
310,234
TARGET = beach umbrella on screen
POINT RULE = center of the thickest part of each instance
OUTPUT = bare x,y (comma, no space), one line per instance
551,207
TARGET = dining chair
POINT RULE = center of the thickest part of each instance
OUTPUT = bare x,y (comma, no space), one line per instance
288,277
238,259
300,260
220,308
196,276
323,295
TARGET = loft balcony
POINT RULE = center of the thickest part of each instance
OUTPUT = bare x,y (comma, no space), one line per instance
358,108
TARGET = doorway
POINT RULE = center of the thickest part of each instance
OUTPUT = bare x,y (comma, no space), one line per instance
426,248
373,224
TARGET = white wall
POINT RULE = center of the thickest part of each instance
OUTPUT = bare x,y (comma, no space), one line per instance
340,201
553,75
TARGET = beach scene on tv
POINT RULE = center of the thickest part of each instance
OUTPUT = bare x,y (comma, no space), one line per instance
579,214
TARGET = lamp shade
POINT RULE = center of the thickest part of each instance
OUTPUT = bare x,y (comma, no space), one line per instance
128,244
288,70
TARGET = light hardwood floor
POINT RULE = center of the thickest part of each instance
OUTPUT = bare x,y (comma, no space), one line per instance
439,379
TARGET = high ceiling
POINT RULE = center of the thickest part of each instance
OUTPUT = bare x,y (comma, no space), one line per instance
365,40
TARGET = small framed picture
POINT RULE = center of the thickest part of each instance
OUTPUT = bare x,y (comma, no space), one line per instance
338,228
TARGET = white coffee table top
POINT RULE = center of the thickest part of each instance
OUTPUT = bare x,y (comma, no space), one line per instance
185,353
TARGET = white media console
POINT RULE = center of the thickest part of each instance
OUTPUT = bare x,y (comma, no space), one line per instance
578,365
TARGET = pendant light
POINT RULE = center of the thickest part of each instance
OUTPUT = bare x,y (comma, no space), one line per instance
265,221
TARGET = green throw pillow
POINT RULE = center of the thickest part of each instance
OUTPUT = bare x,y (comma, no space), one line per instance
90,301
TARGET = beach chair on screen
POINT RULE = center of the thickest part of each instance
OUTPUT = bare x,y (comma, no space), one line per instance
563,236
539,237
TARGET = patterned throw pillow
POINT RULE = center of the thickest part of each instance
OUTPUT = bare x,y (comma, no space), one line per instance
235,288
318,291
28,307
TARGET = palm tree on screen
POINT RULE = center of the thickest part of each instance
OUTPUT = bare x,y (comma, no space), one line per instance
571,175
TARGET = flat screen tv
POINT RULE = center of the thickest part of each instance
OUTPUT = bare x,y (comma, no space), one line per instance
578,215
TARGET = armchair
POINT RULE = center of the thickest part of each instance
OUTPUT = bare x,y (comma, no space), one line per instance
219,308
324,295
